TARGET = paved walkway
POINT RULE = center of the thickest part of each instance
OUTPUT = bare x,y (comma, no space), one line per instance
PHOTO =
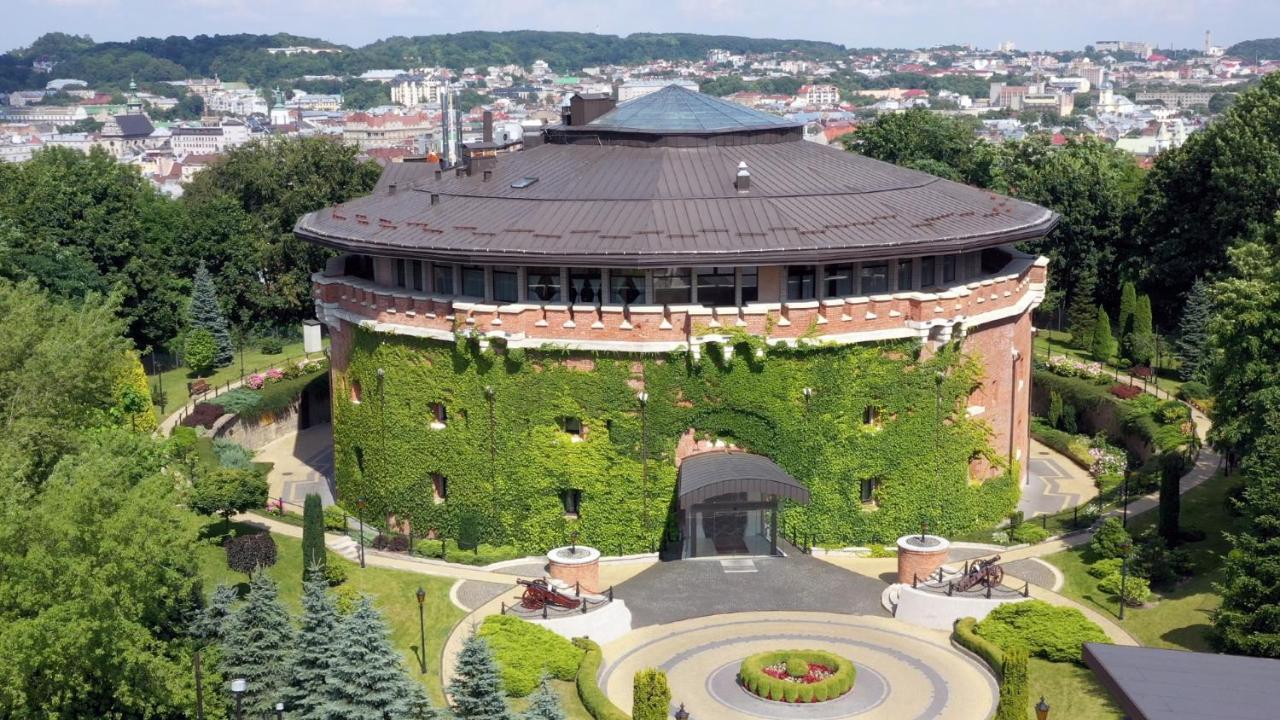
301,463
1054,483
904,672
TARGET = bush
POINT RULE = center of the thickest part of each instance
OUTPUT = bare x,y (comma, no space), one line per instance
525,652
335,518
239,400
964,635
393,543
1110,540
346,597
232,455
1029,533
1161,565
272,346
1136,589
1014,693
225,492
249,553
1105,567
483,554
589,692
1126,392
752,676
335,570
1053,633
200,352
203,415
1194,390
650,697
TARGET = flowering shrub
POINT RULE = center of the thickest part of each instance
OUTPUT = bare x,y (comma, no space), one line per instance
254,382
1071,367
1107,459
275,506
776,676
275,374
1126,392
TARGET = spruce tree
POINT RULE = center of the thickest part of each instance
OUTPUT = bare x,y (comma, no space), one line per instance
258,647
1193,333
1142,339
545,704
1128,306
205,312
1102,347
368,680
1081,310
318,651
210,622
313,553
1247,622
476,687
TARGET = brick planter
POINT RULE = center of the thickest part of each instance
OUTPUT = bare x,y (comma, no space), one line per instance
920,558
580,564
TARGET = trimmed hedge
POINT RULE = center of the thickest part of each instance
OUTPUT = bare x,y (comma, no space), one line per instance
525,652
1014,693
965,636
1075,447
1053,633
755,680
589,692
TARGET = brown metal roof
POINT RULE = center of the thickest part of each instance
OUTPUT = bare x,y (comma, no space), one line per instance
706,475
660,205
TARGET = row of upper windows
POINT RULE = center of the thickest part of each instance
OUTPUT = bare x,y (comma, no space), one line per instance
710,286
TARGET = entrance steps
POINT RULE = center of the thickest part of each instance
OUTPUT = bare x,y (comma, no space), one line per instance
344,546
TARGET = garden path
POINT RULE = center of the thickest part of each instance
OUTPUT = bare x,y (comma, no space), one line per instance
1054,483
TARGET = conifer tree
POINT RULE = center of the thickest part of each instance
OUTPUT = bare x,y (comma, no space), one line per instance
205,312
1124,322
545,705
1193,332
476,686
1142,339
367,680
650,695
258,647
312,535
1247,622
210,622
318,652
1103,346
1081,310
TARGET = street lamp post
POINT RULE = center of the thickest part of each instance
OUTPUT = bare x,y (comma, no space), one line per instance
422,629
1042,709
360,517
238,686
1124,574
1124,499
643,397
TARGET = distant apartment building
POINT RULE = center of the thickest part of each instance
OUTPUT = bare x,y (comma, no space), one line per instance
1141,49
411,90
1036,96
302,50
236,102
368,131
822,95
18,148
314,102
639,88
44,114
204,140
1070,84
1174,99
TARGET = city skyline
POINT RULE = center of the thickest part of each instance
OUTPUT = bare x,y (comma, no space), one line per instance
1033,25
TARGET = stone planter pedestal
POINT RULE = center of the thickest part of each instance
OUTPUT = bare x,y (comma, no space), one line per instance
576,564
920,556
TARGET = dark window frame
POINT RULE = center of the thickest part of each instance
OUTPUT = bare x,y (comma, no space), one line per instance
571,501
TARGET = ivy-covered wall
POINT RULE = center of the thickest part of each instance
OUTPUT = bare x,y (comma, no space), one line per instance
507,458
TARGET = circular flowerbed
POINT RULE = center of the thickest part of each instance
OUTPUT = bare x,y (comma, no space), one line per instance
797,676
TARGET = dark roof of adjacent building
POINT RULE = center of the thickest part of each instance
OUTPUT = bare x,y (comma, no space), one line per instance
645,196
134,125
1158,684
706,475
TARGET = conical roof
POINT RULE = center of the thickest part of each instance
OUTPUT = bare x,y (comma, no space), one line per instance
675,109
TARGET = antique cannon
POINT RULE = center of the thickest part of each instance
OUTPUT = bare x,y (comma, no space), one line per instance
983,572
538,593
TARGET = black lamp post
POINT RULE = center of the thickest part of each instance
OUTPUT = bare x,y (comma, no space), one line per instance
1042,709
360,517
1124,499
1124,573
422,630
643,397
682,714
238,686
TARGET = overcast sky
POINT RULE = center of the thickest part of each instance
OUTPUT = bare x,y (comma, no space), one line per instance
1032,24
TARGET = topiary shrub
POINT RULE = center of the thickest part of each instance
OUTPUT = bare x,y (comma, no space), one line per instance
1105,567
1111,540
1126,392
314,555
203,415
802,676
1047,631
650,695
1014,693
589,692
250,553
1029,533
964,635
525,652
1136,589
797,667
335,570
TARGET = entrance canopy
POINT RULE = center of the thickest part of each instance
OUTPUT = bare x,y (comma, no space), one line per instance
711,474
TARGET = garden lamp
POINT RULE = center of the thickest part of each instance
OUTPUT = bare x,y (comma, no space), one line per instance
682,714
238,686
279,711
422,630
1042,709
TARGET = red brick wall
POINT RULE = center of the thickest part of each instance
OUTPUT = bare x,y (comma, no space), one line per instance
1005,392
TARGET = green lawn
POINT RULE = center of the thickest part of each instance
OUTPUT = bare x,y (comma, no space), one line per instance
568,692
1166,370
1070,691
175,381
1177,618
392,591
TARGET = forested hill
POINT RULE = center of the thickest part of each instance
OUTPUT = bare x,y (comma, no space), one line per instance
244,57
1261,49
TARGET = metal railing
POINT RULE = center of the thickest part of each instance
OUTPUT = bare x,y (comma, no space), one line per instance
549,611
212,391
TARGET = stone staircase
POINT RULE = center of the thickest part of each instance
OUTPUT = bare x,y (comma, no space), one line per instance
344,546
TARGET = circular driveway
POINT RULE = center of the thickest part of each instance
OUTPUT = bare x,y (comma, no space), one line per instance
904,673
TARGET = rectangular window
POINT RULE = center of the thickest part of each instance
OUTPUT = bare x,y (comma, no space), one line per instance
442,279
875,279
473,281
543,284
868,490
439,413
439,488
572,501
506,284
715,286
356,394
839,280
671,286
871,415
584,286
749,279
948,269
626,287
927,265
401,273
800,281
572,425
415,269
904,275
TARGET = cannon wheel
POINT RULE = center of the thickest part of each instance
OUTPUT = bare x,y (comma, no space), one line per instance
996,576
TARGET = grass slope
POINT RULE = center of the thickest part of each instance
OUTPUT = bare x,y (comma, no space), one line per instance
175,381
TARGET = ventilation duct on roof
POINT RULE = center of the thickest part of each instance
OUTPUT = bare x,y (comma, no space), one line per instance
743,179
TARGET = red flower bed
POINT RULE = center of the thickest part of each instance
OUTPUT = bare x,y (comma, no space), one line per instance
1126,392
817,673
203,414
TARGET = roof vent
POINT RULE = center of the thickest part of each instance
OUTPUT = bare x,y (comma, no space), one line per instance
524,182
438,172
435,198
487,174
743,180
391,189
